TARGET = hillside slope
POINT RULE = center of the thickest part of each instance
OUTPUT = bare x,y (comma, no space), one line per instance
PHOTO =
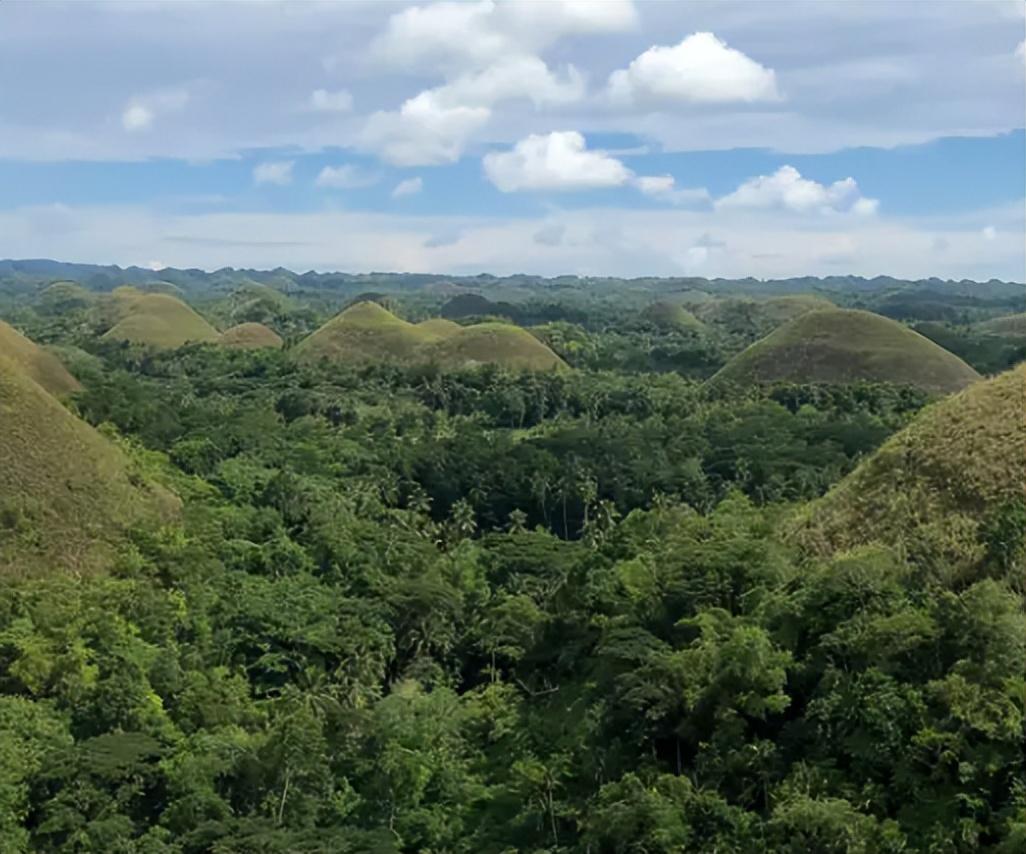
156,320
960,459
496,344
364,332
65,491
841,346
250,336
1010,326
40,365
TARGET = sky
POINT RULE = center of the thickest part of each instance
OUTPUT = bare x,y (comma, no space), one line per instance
588,137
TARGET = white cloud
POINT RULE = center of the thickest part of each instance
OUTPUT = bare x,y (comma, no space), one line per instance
346,177
555,161
1020,51
274,172
513,77
787,190
989,232
141,110
664,188
701,69
453,36
408,187
323,101
155,265
423,131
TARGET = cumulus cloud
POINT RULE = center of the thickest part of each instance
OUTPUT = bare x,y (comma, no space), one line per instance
459,35
274,172
513,77
664,188
701,69
323,101
554,161
408,187
141,110
787,190
423,132
346,177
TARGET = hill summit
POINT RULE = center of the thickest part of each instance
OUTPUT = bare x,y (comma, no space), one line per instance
843,346
156,320
251,336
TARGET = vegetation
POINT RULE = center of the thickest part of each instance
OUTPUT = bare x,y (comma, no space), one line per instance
37,364
250,336
156,320
1011,326
493,343
404,605
673,315
845,346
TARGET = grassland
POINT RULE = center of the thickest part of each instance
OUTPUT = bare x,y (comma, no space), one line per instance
368,332
159,321
840,346
251,336
1010,326
66,492
41,366
670,315
931,485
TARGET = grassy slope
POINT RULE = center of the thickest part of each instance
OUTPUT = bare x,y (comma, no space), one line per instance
65,490
440,326
671,315
1012,326
157,320
843,346
43,367
365,332
250,336
494,343
938,477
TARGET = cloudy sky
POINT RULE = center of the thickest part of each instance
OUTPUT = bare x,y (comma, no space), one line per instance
540,136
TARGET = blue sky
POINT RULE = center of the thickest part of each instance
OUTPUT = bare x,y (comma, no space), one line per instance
574,136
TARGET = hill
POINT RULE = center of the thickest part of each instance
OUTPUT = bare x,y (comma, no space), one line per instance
495,344
250,336
365,332
41,366
935,481
670,315
439,326
1010,326
66,492
153,320
841,346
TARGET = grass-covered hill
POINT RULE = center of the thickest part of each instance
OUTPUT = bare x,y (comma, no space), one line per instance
250,336
933,484
66,491
496,344
841,346
155,320
368,332
741,315
1010,326
41,366
365,332
671,315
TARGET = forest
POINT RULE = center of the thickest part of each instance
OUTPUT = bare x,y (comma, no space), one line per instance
644,599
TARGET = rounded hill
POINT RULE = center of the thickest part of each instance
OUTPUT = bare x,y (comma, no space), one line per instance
251,336
1010,326
935,481
495,344
671,315
364,332
842,346
38,364
66,491
440,326
156,320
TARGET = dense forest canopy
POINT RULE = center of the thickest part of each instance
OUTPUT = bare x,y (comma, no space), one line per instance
413,605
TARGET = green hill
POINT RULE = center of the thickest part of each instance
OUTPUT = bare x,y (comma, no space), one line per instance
66,492
841,346
156,320
439,326
250,336
65,296
364,332
670,315
934,482
497,344
1010,326
40,365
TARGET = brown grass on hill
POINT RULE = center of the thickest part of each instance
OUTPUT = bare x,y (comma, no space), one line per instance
251,336
43,367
